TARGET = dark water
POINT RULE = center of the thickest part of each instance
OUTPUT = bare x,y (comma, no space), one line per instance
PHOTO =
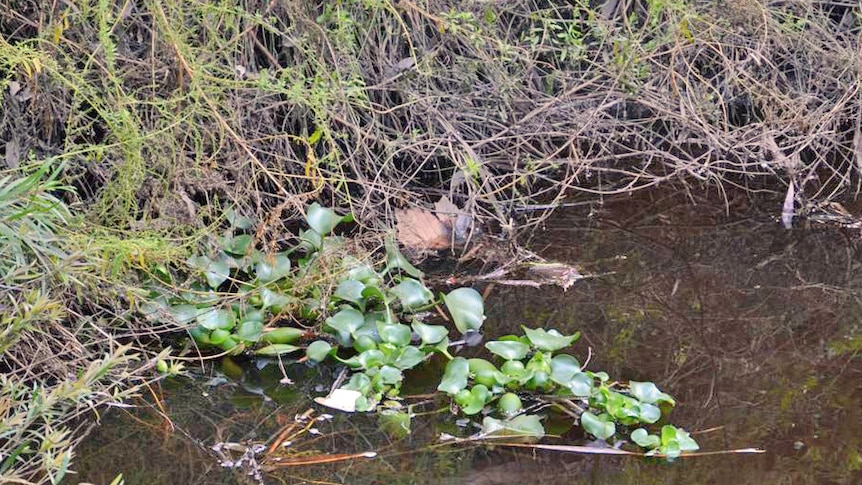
755,330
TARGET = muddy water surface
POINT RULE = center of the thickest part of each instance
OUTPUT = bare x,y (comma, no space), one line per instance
756,330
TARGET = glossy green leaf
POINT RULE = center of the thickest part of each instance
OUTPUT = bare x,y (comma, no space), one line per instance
218,336
466,307
239,245
509,403
318,350
396,260
523,425
581,385
643,439
361,271
371,358
601,428
649,393
201,335
321,219
358,382
408,358
564,367
271,268
508,350
274,300
351,290
390,375
277,349
249,330
347,320
217,318
215,272
184,314
412,294
479,395
514,368
429,334
455,376
283,335
396,334
649,413
256,315
364,342
671,434
311,239
549,340
479,365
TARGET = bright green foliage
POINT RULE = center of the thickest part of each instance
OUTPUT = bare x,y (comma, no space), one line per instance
363,330
530,363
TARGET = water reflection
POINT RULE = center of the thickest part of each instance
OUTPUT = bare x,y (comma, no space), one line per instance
754,329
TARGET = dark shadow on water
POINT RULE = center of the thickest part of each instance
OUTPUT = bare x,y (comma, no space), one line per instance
753,328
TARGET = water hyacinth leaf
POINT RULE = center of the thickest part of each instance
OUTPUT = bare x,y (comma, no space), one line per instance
374,292
218,336
600,427
250,330
277,349
455,376
351,290
371,358
321,219
390,375
581,385
429,334
239,245
318,350
549,340
396,334
466,307
476,400
508,350
671,434
273,299
184,314
509,403
643,439
523,425
256,315
201,335
348,320
215,272
361,271
564,367
273,268
364,342
396,260
649,413
412,294
408,358
649,393
311,239
359,382
480,365
602,376
283,335
217,318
